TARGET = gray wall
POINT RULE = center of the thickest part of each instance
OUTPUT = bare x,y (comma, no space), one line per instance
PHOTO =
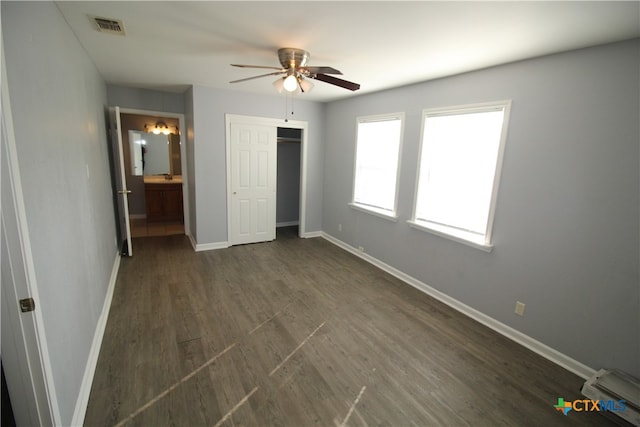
209,155
566,230
58,103
145,99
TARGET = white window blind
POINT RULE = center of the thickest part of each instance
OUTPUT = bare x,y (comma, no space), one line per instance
458,171
376,166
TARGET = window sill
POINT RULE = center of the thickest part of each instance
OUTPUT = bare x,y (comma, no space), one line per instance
389,216
442,233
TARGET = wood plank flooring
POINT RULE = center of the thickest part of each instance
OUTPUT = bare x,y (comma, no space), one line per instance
298,332
141,228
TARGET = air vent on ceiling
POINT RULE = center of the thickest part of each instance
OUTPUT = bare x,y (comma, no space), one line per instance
107,25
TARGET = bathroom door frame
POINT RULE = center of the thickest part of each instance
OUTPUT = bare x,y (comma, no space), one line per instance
183,155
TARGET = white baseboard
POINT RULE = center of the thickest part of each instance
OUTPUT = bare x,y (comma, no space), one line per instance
208,246
223,245
90,368
312,234
194,245
543,350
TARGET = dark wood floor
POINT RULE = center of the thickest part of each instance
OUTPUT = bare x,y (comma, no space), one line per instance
140,227
298,332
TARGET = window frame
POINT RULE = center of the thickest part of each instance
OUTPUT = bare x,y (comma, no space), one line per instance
448,231
375,210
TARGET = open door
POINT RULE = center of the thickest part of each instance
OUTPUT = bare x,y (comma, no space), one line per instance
251,148
124,226
25,354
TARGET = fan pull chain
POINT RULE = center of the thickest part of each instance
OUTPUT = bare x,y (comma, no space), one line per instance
286,109
286,106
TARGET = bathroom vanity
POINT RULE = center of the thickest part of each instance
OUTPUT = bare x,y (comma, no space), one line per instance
163,197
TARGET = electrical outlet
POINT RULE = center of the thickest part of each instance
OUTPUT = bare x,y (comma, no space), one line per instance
519,308
339,227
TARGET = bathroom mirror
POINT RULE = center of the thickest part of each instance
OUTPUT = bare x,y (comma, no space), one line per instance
152,154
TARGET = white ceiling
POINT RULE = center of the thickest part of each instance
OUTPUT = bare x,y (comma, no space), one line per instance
170,45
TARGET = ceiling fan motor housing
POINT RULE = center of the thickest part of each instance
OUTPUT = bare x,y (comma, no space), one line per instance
293,58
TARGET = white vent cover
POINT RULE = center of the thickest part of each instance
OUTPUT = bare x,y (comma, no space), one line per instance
614,385
108,25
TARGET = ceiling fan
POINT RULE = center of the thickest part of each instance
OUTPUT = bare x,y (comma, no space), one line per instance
296,72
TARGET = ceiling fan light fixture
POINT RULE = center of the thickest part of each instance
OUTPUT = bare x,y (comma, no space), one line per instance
290,83
279,84
305,85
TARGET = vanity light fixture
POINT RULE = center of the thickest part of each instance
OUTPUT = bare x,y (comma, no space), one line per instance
158,128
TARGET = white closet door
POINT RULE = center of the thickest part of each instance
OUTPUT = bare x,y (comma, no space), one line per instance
253,183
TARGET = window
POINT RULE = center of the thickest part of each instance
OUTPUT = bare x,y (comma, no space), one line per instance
458,173
378,141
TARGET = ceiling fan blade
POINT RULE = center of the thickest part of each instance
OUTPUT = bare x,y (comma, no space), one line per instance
257,66
322,70
257,77
336,81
